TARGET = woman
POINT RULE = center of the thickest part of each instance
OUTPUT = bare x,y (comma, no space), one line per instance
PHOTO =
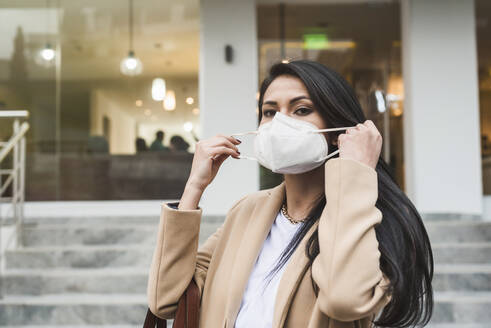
336,244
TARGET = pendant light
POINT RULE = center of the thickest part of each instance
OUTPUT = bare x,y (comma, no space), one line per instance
170,100
46,56
158,89
131,65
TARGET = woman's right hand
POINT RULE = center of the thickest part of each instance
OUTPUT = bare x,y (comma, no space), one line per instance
208,157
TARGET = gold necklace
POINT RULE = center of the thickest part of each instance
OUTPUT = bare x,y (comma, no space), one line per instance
285,214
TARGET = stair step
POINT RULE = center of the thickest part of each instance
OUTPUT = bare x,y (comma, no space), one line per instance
75,299
59,235
107,230
458,325
74,310
94,220
114,220
124,309
462,307
458,231
118,255
52,235
479,252
132,280
169,325
65,281
462,277
80,257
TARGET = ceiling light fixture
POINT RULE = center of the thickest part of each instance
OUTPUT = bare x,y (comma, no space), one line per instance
170,100
188,126
158,89
131,65
46,56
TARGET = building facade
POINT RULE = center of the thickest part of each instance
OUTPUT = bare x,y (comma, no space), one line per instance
100,79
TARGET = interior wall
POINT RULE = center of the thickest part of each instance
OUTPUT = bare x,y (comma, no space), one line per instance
123,126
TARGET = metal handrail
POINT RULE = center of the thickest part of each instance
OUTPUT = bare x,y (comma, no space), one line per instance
15,179
13,141
14,113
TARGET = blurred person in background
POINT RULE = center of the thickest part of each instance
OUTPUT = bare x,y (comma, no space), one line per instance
178,144
140,145
157,144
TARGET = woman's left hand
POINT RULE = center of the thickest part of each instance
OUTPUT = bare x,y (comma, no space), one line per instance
361,143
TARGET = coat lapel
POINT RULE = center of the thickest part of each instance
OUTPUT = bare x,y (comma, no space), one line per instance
259,225
295,269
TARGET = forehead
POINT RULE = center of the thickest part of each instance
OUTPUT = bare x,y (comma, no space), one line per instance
285,86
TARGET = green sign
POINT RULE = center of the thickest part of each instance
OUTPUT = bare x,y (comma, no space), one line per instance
315,41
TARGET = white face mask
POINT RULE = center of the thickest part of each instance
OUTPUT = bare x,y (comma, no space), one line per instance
290,146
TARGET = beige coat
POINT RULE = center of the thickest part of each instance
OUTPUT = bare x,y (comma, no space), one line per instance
351,284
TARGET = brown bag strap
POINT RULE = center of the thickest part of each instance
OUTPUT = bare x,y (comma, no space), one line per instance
192,303
187,314
151,320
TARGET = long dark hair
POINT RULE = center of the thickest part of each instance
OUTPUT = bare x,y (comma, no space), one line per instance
406,255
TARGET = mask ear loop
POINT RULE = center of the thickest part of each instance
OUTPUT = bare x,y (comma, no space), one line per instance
329,130
331,154
243,134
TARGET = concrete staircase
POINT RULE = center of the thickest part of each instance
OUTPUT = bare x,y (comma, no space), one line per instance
82,272
92,272
462,281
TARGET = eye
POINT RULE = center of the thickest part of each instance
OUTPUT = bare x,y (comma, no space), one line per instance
269,112
303,111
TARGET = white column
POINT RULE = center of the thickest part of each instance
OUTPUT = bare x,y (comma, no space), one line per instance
441,117
228,94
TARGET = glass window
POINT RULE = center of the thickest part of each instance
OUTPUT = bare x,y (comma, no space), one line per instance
101,79
483,30
362,41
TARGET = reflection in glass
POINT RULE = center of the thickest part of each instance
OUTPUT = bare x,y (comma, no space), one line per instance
359,40
91,125
483,30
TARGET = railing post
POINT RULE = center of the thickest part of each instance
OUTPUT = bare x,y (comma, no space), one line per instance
15,175
2,253
22,182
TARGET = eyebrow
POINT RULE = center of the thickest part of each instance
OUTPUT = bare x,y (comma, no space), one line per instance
271,102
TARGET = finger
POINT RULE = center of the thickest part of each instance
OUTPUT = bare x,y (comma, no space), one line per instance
230,138
341,138
224,150
234,140
360,126
218,160
225,142
371,126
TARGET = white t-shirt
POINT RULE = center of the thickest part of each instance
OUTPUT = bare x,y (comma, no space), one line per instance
256,309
